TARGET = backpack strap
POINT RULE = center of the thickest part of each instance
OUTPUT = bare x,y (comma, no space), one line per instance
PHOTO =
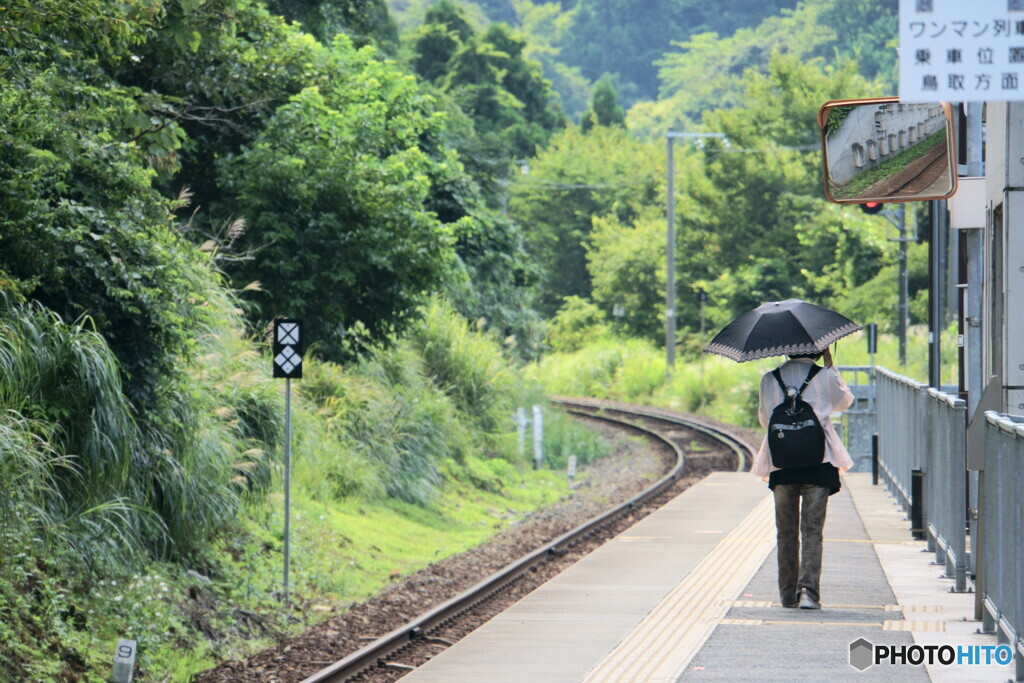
778,378
810,375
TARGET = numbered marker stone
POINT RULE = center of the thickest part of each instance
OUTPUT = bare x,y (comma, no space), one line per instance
124,661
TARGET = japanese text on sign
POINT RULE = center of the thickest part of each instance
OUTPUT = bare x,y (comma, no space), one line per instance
951,50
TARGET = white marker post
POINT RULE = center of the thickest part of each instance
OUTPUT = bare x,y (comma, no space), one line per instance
124,661
287,350
538,437
572,469
521,422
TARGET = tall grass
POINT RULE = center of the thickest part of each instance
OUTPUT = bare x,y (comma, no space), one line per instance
29,472
166,481
440,403
60,389
220,433
466,365
394,422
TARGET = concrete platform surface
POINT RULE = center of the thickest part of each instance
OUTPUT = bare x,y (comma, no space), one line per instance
691,592
559,632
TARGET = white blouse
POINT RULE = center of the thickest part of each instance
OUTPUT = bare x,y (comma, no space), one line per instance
827,393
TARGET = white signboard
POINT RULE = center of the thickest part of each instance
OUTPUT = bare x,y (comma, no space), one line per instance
960,51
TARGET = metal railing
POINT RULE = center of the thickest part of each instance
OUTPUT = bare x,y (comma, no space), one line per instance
900,440
856,424
1002,515
945,483
922,432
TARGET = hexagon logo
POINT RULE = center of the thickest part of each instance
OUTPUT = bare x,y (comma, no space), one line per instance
861,654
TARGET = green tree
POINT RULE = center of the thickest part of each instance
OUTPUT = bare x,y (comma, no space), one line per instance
546,24
223,94
767,233
492,80
334,193
576,323
80,226
867,31
604,110
365,21
627,268
707,70
578,177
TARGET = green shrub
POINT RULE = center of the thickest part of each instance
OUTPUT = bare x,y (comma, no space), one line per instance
389,417
466,365
445,392
575,325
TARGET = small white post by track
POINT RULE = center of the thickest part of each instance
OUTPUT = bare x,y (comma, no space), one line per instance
538,437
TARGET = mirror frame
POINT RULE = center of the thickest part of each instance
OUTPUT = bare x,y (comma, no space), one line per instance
950,151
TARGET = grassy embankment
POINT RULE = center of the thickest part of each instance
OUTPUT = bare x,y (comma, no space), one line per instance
399,461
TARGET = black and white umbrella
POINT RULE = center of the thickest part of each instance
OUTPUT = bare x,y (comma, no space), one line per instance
781,328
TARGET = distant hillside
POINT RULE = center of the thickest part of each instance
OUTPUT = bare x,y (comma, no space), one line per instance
622,38
626,38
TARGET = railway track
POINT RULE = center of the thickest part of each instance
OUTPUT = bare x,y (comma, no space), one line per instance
658,425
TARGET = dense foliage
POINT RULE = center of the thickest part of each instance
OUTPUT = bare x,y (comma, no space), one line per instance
626,39
365,21
708,70
491,79
580,176
145,146
176,173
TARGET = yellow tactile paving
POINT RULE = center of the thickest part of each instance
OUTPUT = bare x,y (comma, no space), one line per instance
661,646
919,626
887,625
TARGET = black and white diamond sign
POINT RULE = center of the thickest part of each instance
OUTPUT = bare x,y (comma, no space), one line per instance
287,348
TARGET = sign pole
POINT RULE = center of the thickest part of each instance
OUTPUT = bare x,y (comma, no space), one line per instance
287,351
287,479
670,260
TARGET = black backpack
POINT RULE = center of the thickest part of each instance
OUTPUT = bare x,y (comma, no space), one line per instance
795,437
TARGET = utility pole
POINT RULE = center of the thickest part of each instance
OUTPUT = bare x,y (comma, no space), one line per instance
938,229
898,218
904,283
670,246
670,259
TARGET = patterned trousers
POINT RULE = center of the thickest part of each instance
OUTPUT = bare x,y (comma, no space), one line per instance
799,538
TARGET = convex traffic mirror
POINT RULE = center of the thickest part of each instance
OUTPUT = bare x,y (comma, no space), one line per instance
884,150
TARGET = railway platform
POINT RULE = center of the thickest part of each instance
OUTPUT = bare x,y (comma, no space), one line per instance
690,592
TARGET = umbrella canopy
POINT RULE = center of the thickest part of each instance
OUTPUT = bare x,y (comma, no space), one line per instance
781,328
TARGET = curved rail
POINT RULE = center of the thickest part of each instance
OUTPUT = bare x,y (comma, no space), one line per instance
375,654
744,454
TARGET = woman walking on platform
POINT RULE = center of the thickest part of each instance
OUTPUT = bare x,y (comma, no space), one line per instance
801,456
801,493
